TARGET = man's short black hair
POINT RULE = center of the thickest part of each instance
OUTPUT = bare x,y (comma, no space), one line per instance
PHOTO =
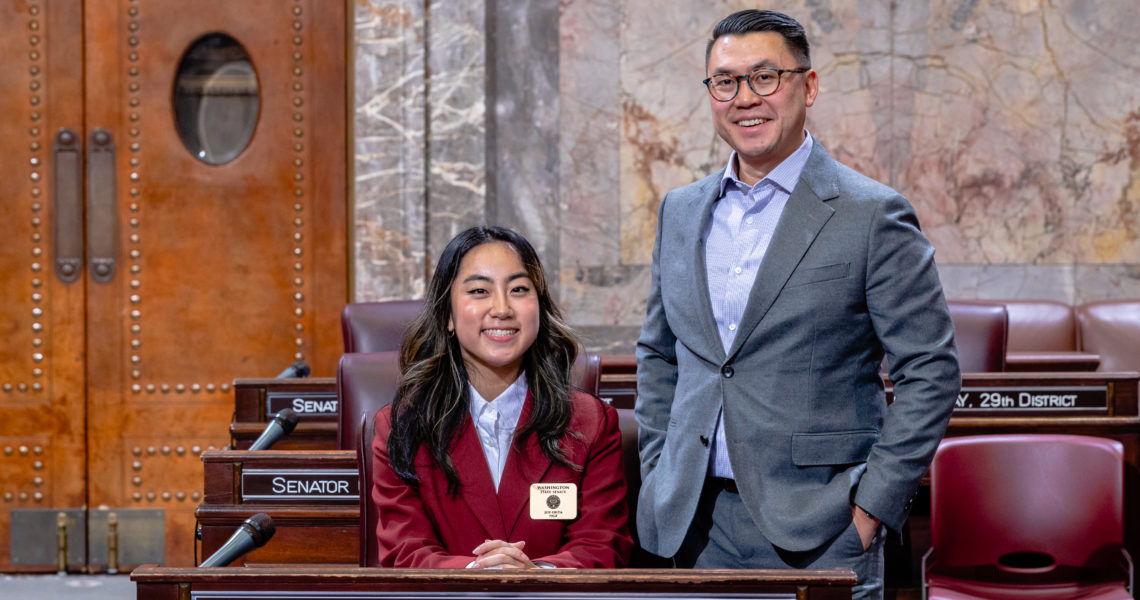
755,21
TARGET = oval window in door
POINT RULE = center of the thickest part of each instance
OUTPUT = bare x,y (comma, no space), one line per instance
215,99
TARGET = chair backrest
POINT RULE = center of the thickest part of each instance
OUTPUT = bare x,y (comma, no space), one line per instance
996,495
981,333
366,382
1111,328
1041,325
377,326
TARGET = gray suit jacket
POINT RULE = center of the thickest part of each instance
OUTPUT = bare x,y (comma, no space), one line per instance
847,277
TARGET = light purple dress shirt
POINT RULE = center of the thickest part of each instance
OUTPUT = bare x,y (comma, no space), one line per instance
742,224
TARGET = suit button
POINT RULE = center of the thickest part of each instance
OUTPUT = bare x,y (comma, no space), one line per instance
705,441
727,372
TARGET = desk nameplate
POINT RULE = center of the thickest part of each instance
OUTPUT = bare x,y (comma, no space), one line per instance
1035,398
310,405
300,485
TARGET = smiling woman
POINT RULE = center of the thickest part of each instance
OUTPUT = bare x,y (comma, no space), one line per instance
485,433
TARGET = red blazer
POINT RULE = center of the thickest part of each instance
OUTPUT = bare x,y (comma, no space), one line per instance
425,527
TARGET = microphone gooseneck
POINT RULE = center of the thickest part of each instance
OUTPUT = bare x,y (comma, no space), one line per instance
252,534
282,425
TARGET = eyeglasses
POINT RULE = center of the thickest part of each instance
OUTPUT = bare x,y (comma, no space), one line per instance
723,87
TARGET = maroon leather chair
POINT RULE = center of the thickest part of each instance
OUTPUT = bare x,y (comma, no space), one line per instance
1111,328
1043,337
1023,516
981,331
377,326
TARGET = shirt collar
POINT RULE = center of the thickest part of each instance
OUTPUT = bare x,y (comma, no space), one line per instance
785,175
509,404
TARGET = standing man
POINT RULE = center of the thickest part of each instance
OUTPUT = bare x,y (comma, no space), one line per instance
779,283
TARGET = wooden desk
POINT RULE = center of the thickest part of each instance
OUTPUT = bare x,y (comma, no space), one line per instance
313,399
312,496
158,583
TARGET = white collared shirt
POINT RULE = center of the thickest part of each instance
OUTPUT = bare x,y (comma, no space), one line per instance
495,423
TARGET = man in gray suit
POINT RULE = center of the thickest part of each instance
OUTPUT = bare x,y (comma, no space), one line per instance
779,283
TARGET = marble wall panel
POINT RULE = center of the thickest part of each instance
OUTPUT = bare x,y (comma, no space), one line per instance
1019,131
456,126
523,126
389,235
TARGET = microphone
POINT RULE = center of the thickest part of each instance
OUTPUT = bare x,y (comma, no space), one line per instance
295,370
282,425
252,534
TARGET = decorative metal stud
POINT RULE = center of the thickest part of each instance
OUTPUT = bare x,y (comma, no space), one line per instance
37,372
136,465
195,388
136,328
8,450
150,496
38,465
150,388
298,252
37,342
180,388
210,387
165,388
37,481
37,386
137,451
37,357
299,326
23,496
299,311
23,450
136,359
136,388
136,299
180,450
166,450
166,496
298,342
196,496
137,496
225,387
23,387
8,496
181,496
298,356
195,450
38,496
150,450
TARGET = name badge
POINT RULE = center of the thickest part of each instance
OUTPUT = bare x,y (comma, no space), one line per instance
553,501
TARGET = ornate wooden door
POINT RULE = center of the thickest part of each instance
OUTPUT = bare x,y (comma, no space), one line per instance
174,217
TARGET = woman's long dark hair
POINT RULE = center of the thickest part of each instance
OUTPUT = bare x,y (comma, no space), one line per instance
433,394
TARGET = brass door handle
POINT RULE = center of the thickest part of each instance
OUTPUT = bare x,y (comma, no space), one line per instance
68,212
102,221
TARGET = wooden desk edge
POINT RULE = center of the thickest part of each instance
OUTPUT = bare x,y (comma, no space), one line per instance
735,578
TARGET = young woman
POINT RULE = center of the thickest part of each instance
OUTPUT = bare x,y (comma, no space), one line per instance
487,458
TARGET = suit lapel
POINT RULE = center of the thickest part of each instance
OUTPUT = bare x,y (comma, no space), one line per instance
804,215
523,468
695,233
478,489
